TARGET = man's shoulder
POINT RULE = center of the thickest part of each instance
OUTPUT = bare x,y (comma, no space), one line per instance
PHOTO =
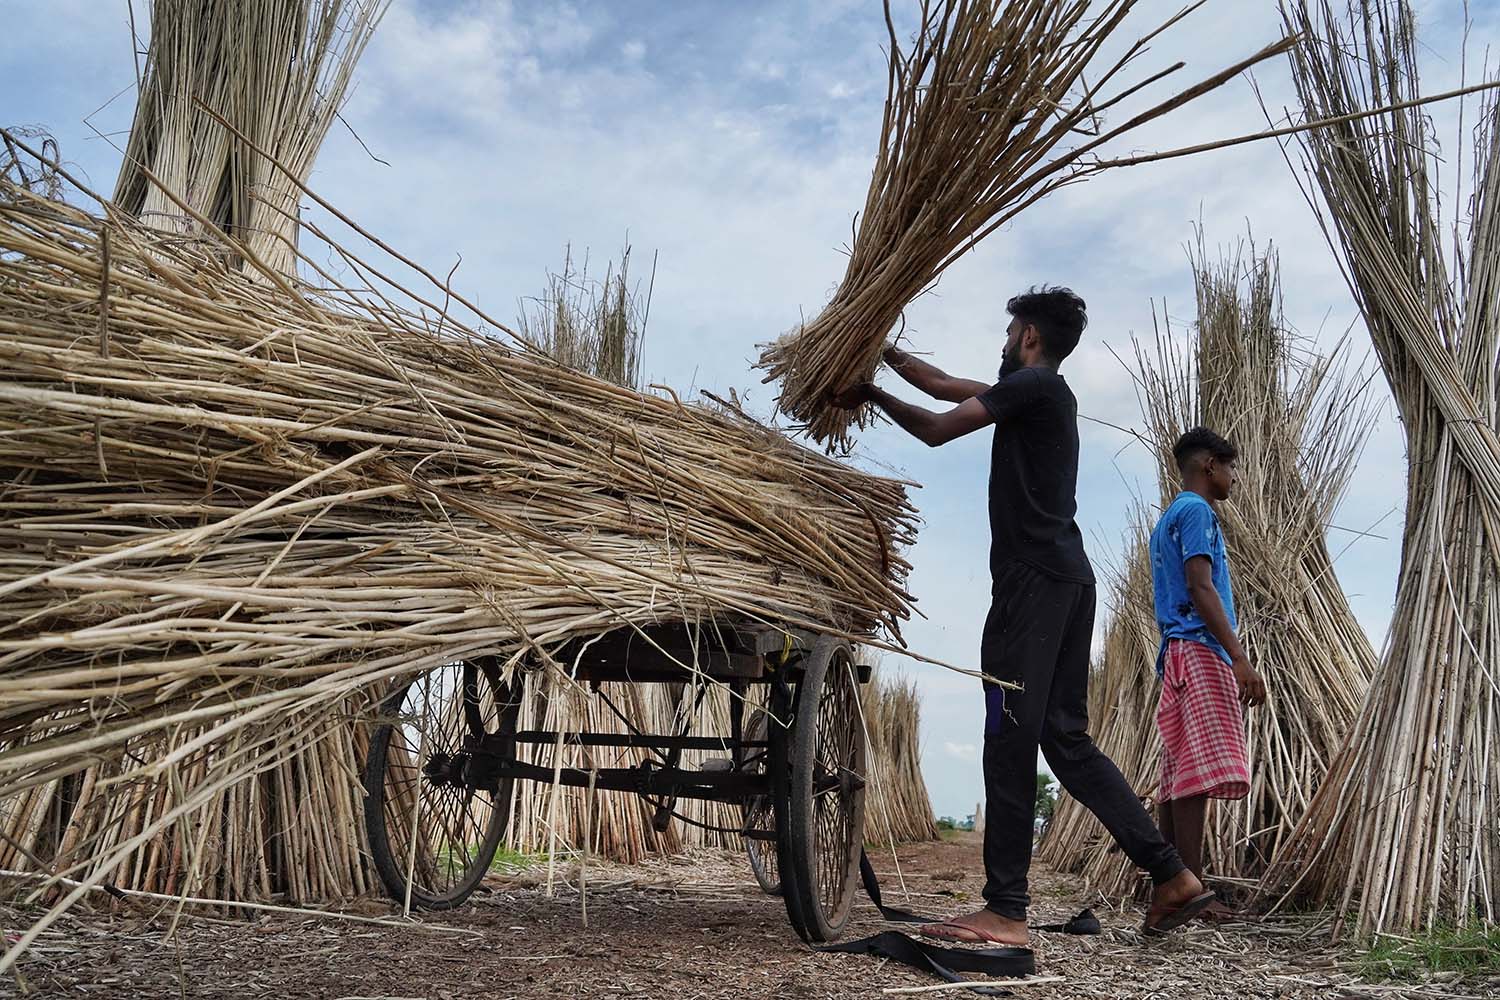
1047,378
1037,384
1010,394
1018,379
1187,504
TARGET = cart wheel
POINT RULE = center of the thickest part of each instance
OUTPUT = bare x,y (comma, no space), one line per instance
760,816
419,775
818,781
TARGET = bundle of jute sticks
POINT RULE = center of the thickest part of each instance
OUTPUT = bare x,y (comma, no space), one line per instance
278,69
1405,830
1299,422
992,105
898,809
236,512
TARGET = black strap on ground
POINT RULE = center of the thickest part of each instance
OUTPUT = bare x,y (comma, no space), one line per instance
947,962
1083,923
872,889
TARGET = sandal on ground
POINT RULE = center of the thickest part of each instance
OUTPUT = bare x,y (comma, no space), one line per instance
1172,917
1218,914
956,931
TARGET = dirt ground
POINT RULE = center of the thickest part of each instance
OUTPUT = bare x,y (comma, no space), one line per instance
684,928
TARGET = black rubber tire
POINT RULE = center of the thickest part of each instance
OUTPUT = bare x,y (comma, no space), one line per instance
782,706
824,831
392,859
760,814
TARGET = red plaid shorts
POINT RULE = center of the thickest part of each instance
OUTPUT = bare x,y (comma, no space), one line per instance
1202,726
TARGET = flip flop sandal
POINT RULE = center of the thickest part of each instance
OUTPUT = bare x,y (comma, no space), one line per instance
1174,918
972,934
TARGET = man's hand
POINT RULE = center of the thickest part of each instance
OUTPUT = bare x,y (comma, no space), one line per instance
1252,686
854,397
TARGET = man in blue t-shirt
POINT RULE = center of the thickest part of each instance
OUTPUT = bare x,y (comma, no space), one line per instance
1038,632
1206,677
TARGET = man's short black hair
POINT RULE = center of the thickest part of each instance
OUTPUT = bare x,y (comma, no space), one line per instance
1058,314
1202,441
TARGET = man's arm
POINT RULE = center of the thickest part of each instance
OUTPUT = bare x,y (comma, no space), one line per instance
931,379
932,429
1205,596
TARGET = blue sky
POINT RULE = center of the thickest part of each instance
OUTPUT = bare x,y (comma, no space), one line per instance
735,140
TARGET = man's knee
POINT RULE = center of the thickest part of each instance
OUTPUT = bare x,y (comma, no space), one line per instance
1067,747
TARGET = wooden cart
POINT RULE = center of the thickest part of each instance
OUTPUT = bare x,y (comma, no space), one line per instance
446,753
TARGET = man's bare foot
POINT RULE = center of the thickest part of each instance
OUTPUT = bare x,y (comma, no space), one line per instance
1177,890
984,927
1175,902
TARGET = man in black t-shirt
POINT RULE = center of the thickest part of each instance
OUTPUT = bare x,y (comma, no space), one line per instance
1041,618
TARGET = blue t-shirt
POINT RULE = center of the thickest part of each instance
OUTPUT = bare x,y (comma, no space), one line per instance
1189,527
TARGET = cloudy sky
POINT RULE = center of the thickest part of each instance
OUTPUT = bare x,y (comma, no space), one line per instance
735,141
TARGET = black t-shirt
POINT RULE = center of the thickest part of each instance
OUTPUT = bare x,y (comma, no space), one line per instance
1034,475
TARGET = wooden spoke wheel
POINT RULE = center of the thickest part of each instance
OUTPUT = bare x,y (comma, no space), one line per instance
818,770
423,775
760,816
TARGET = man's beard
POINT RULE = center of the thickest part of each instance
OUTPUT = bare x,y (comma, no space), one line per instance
1010,363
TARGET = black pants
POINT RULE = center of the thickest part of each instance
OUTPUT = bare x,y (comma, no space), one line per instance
1038,635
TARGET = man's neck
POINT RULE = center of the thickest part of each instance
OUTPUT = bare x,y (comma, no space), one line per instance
1202,491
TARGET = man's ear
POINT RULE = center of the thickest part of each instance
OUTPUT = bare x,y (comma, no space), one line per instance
1031,337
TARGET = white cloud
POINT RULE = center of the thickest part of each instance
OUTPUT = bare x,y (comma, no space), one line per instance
634,50
963,751
759,70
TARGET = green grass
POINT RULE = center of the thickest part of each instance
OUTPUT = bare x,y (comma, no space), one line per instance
507,860
1473,950
452,861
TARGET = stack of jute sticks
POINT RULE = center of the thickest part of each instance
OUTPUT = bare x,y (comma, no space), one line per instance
1405,832
236,512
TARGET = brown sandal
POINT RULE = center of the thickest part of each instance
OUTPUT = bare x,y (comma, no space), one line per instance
1218,914
966,935
1171,918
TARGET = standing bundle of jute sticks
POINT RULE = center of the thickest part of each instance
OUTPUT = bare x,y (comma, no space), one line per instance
236,513
899,809
1405,830
1299,422
279,70
991,106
